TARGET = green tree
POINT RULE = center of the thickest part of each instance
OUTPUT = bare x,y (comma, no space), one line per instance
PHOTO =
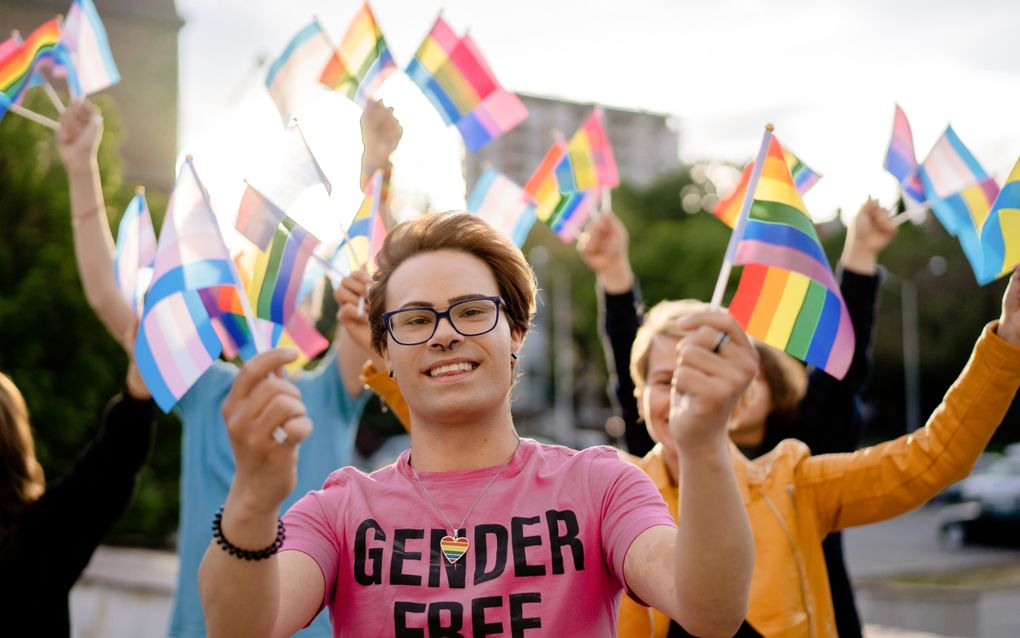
51,343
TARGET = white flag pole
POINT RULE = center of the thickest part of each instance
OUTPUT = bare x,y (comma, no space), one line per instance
17,109
738,228
249,315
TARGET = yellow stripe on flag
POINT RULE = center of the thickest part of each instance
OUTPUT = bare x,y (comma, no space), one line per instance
788,310
977,203
431,55
782,192
1009,222
771,293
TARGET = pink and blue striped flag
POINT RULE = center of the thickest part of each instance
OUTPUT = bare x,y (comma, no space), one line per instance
949,169
499,201
1000,233
136,251
298,68
454,76
176,340
971,207
84,38
900,159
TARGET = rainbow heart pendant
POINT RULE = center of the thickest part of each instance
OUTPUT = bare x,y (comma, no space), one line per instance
454,548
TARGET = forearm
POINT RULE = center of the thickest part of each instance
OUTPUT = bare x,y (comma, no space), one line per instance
94,249
715,548
241,597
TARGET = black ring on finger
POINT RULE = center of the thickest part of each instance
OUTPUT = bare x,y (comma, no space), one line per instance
720,341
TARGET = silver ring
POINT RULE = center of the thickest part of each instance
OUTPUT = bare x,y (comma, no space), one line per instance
720,342
279,435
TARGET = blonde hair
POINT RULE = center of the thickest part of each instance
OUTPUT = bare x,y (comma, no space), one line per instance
21,477
462,232
784,375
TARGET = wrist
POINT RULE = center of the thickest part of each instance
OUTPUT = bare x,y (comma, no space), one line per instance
84,167
616,279
707,454
859,259
371,162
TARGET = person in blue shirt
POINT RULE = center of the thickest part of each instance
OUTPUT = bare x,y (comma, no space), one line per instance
332,392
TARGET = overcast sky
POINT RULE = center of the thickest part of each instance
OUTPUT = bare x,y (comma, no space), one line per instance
825,73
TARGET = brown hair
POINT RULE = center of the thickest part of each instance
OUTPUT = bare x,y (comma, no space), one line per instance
21,476
461,232
784,376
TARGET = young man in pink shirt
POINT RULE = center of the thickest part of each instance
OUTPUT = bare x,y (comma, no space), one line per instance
474,531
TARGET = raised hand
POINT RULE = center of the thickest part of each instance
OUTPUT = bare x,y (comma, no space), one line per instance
870,232
380,133
715,364
1009,320
353,312
266,421
603,247
81,129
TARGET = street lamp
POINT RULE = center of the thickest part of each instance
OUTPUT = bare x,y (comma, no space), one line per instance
936,267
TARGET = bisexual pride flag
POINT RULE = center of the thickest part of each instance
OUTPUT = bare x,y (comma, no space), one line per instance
900,159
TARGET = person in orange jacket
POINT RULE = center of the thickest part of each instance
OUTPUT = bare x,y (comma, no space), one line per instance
795,499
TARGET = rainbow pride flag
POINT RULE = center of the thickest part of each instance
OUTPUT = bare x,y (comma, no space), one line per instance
283,256
499,201
787,295
1000,232
728,207
84,38
949,169
362,61
136,251
366,233
543,187
176,340
572,213
589,162
42,49
454,76
298,68
900,159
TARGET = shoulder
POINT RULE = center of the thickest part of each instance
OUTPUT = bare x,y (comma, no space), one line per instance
785,458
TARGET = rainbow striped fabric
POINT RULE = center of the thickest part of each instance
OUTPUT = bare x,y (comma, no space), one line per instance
728,207
42,49
589,162
283,256
362,61
176,340
542,187
366,233
298,68
136,251
949,169
499,201
455,77
900,159
787,295
84,38
1000,233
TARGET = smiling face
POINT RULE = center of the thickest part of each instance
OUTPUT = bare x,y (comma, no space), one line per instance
450,378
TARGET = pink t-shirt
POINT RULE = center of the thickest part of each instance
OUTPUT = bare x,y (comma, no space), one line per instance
547,545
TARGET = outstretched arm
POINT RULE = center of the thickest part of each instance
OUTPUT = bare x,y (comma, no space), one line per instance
380,134
81,128
278,595
603,247
706,585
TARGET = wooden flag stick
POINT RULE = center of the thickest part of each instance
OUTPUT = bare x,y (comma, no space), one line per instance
738,228
17,109
52,94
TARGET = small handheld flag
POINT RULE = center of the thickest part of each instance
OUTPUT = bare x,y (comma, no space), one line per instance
136,251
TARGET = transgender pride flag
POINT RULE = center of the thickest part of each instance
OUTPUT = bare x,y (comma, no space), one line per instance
177,341
298,67
504,204
950,169
136,251
900,159
84,38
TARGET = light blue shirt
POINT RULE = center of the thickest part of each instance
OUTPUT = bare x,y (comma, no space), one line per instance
207,467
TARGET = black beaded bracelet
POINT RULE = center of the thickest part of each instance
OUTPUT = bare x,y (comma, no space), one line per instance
246,554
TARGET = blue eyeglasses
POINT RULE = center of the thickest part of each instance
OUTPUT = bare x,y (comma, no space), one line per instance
469,317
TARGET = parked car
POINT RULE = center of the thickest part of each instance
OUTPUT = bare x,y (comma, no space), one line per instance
977,523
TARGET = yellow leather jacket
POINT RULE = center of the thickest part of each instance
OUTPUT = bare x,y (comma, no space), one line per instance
379,381
794,499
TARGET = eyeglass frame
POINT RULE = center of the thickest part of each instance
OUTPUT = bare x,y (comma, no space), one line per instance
386,316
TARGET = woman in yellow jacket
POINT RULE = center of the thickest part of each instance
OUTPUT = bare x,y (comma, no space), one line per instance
795,499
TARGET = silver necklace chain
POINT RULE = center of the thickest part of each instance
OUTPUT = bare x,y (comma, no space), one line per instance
495,476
